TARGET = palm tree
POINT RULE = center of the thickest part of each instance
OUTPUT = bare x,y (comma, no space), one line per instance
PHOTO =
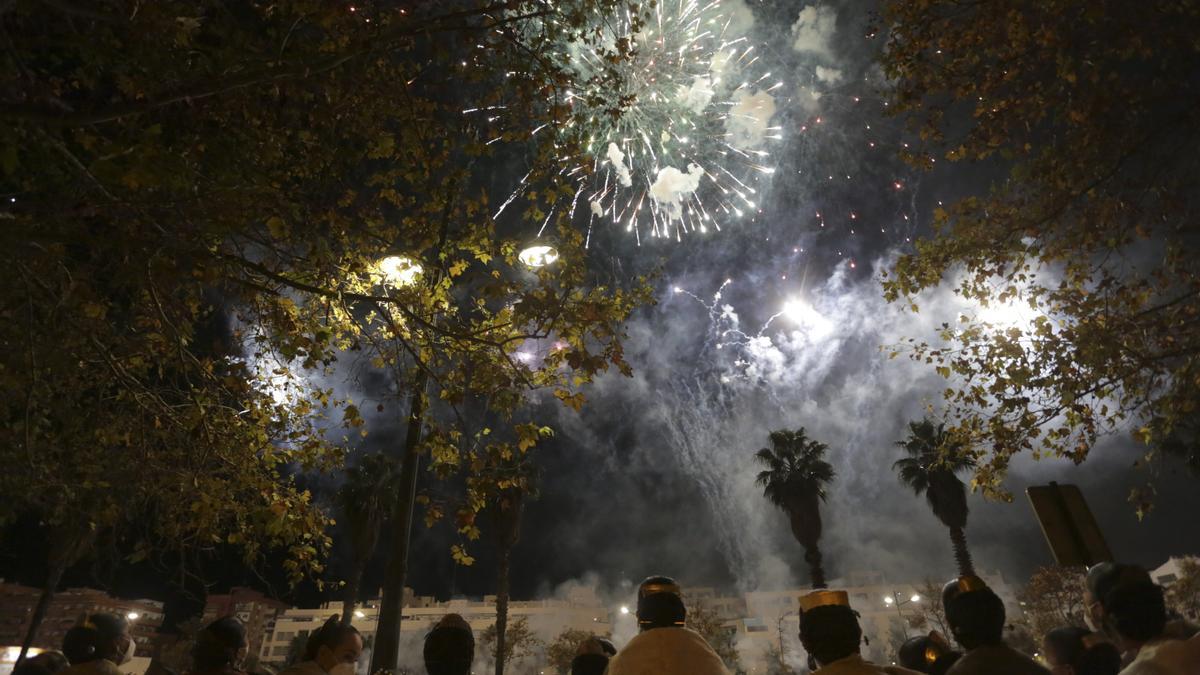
795,480
934,461
364,500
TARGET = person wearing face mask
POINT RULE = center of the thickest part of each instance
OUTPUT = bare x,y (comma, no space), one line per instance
1072,650
332,650
97,645
220,648
1133,610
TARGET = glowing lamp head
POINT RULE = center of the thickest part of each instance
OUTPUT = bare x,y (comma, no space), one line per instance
624,609
398,270
915,598
538,256
887,600
132,616
358,614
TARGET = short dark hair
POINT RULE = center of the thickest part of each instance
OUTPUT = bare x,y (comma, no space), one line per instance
218,644
449,648
1100,659
976,618
830,632
1136,611
46,663
589,664
1067,642
329,635
94,638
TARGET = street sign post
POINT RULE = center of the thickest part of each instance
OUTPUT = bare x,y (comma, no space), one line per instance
1068,524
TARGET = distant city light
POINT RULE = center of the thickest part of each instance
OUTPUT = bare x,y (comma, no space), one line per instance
132,616
624,609
358,614
915,598
887,600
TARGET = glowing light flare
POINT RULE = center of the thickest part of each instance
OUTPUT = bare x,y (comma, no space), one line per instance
538,256
807,319
398,271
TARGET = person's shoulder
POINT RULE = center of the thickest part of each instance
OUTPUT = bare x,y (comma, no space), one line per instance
898,670
97,667
303,668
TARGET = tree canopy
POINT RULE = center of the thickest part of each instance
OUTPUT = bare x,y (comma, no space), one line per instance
197,200
1092,235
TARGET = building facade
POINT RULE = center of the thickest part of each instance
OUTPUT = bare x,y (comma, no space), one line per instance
17,603
256,611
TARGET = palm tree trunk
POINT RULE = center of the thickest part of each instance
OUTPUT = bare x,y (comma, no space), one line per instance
501,610
350,599
812,556
962,555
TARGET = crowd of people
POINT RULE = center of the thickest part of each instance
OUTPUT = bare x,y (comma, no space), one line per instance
1127,633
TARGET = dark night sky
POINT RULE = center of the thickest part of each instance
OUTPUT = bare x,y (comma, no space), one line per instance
654,476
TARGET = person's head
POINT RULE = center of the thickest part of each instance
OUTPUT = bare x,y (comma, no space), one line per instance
335,647
1063,646
99,636
1102,578
1135,612
46,663
660,604
1099,657
589,664
927,654
975,613
829,628
222,644
449,647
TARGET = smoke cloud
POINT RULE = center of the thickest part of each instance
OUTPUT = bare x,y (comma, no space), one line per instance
672,186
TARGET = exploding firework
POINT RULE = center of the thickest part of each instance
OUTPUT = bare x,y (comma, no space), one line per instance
679,144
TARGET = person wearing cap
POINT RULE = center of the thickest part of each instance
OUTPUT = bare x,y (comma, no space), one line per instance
1130,607
976,617
664,646
831,635
591,658
929,654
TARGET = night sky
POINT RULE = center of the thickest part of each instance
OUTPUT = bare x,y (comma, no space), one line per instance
655,475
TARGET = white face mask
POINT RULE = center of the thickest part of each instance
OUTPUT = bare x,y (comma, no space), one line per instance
343,668
128,655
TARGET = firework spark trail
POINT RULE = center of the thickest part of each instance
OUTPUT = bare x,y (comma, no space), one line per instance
681,105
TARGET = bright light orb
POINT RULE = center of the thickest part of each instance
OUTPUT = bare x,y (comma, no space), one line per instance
888,600
915,598
624,610
807,319
132,616
358,614
538,256
398,270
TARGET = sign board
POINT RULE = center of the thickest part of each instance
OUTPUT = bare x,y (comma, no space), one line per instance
1070,529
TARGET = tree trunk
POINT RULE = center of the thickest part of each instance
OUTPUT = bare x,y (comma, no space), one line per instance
57,568
386,655
812,556
501,609
962,555
350,599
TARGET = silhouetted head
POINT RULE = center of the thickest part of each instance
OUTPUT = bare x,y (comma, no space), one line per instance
660,604
927,654
334,645
829,628
975,613
222,644
46,663
1062,646
450,647
99,636
1135,611
589,664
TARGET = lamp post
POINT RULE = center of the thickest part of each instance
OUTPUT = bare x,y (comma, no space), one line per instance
779,629
398,271
894,600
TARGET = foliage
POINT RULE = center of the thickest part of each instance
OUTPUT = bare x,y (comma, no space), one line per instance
520,641
794,480
722,638
1053,597
198,197
1183,594
561,650
930,614
1093,234
935,458
776,665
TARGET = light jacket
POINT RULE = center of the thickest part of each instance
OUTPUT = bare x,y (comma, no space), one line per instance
667,651
855,665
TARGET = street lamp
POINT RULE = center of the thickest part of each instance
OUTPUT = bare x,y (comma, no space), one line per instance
398,270
624,609
133,616
538,256
894,600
